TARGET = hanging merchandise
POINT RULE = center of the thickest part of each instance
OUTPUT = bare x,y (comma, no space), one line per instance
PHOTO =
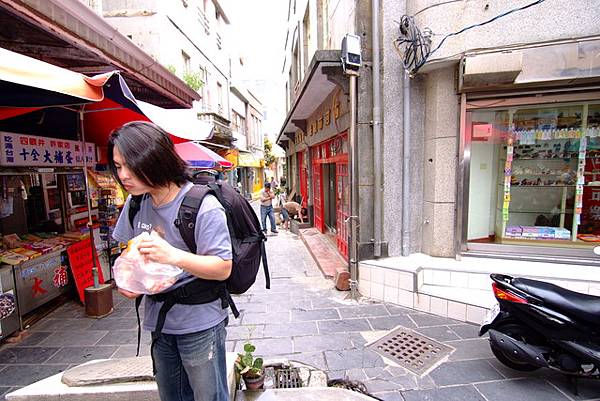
529,137
507,180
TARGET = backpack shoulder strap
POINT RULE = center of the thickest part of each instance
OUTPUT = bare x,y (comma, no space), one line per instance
188,212
217,191
134,207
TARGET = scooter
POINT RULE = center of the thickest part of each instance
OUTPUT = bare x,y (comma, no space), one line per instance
541,325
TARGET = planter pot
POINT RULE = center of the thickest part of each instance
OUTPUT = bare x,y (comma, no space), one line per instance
254,383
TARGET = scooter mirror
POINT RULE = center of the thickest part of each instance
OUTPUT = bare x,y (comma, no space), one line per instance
597,250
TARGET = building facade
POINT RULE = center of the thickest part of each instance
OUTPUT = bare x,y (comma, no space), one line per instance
191,38
247,129
502,140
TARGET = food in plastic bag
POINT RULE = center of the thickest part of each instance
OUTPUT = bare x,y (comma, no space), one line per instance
133,273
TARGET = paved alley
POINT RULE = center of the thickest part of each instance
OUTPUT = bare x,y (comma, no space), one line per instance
302,317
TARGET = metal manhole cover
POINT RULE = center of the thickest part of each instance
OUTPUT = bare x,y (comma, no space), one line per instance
411,350
287,378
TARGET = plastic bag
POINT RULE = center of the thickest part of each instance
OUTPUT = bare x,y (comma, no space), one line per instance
133,273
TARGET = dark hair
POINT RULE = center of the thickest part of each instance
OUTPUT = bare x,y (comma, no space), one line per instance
149,153
267,185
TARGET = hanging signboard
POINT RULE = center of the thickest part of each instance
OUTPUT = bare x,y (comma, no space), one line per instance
20,150
80,260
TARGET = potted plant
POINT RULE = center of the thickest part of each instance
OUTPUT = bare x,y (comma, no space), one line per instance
250,368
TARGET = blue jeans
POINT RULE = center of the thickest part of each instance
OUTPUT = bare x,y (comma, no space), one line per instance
285,216
264,212
191,367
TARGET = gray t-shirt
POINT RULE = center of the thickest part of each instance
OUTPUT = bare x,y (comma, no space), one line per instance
212,238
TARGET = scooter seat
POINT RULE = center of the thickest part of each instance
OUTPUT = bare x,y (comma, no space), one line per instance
575,304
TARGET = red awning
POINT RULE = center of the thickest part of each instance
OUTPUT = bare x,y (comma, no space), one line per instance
105,100
199,156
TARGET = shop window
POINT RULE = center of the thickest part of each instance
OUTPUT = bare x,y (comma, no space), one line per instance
534,175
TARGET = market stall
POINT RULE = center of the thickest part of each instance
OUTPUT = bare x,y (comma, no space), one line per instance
48,207
44,213
54,184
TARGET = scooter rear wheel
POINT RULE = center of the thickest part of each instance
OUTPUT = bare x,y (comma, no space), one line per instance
518,333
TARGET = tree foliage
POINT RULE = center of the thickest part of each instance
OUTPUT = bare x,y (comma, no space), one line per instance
269,156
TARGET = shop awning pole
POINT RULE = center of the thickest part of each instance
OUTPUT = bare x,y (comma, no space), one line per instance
89,198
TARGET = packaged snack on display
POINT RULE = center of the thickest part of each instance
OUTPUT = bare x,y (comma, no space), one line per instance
133,273
12,258
11,241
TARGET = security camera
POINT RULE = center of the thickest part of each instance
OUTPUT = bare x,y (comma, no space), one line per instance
351,52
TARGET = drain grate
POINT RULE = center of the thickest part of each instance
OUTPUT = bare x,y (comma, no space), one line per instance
411,350
287,378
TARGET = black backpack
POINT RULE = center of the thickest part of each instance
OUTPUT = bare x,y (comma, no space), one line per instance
247,243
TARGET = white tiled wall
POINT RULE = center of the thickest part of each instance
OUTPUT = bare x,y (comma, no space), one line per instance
406,281
457,310
406,298
377,290
364,287
441,277
378,275
422,302
439,306
475,314
398,287
391,277
364,273
390,294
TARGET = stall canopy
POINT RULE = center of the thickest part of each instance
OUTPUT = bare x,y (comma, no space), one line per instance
247,159
199,156
38,97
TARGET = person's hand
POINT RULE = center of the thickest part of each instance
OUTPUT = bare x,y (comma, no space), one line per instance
155,249
128,294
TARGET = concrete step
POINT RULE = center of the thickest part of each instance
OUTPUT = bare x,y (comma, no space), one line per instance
459,289
467,296
302,394
323,252
53,389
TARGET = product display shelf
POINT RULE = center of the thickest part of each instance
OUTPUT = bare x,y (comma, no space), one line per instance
566,211
547,242
560,169
107,217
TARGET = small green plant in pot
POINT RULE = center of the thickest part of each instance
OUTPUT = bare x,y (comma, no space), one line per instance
250,368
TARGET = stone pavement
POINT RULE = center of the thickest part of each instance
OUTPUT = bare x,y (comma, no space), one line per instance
302,317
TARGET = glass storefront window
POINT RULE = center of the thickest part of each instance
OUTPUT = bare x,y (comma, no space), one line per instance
534,176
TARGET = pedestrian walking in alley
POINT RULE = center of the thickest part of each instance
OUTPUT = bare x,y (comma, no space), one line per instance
189,352
266,208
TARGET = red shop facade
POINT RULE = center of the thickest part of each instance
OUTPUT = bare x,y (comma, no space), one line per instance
331,190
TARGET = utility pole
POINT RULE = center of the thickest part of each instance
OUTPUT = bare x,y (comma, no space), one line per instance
351,61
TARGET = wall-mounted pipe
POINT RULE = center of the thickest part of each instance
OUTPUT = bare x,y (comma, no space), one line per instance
406,166
377,155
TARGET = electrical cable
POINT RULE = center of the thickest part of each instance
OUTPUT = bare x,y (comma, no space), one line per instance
418,45
436,5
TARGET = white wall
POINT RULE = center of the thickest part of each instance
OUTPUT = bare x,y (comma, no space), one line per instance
341,21
483,189
547,21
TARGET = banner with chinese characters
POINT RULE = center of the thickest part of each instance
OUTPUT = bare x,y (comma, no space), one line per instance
36,151
80,260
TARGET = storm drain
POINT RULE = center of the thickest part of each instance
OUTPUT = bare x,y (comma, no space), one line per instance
286,378
411,350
